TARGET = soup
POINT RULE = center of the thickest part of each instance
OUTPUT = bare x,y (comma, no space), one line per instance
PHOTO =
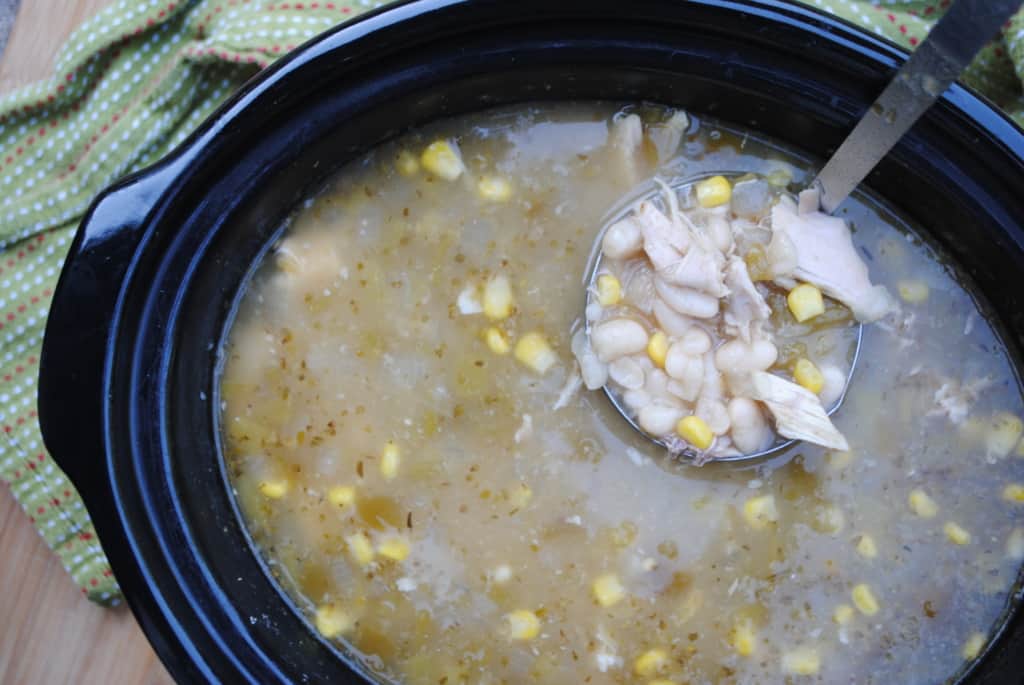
416,460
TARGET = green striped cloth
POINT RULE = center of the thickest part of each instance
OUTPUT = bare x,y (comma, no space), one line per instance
128,87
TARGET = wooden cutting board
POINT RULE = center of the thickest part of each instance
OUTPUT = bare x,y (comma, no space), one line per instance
52,634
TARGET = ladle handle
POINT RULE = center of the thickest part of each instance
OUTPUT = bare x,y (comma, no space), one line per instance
923,78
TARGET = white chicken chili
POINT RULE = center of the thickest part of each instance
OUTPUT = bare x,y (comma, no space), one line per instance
413,449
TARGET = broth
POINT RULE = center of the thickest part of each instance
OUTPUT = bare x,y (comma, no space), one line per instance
418,495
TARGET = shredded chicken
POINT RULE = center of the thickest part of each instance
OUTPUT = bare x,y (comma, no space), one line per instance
745,306
954,399
798,412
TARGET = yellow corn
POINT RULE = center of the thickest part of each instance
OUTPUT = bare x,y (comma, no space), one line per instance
443,159
695,431
838,459
1014,492
608,590
390,458
760,511
406,163
921,504
807,374
801,661
522,624
744,637
331,620
864,599
360,548
274,489
496,341
973,645
498,300
494,189
913,292
609,290
394,547
657,348
1003,434
866,547
805,302
843,614
533,351
341,495
714,191
1015,544
651,662
520,495
956,534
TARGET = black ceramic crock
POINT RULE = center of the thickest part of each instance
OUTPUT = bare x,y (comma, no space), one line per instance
128,379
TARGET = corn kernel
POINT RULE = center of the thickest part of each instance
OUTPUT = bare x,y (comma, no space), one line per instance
744,637
805,302
1014,492
522,624
331,620
394,547
406,163
801,661
496,341
956,534
609,290
714,191
608,590
973,645
913,292
533,351
1015,544
274,489
866,547
839,459
651,662
657,348
494,189
695,431
498,300
864,599
360,548
389,460
921,504
520,495
1003,434
443,159
760,511
843,614
807,374
341,495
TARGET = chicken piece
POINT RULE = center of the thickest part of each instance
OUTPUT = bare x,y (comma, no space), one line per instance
954,399
667,135
638,286
826,257
593,371
798,412
626,139
664,242
309,262
744,305
700,269
686,300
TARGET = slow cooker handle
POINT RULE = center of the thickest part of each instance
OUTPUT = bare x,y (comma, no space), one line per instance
81,322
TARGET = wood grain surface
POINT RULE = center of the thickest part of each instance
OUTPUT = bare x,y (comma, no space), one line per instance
51,633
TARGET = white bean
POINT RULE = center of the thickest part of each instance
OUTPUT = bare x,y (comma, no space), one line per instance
714,413
659,418
627,373
687,369
750,429
763,354
737,357
622,239
657,383
687,301
670,321
593,371
695,342
720,232
636,399
618,338
712,377
835,383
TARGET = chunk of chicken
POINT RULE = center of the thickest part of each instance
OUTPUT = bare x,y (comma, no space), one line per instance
667,135
627,138
826,257
745,306
798,412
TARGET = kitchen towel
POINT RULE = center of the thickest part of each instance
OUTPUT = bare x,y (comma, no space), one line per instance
128,86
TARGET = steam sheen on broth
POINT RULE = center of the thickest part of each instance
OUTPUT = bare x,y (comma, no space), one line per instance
401,463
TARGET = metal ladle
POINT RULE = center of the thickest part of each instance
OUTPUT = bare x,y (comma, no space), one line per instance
923,78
